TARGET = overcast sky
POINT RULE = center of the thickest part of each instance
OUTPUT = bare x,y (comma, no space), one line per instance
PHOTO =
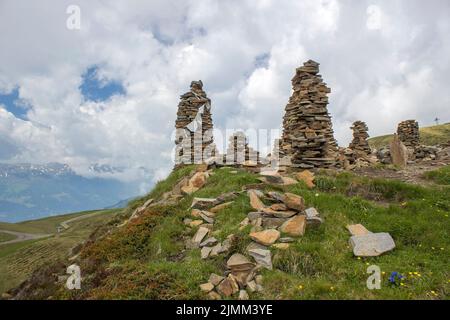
385,61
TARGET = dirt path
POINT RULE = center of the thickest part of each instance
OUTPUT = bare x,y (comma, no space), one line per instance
65,224
413,173
21,236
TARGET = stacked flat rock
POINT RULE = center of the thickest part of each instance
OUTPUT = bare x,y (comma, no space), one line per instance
194,125
238,150
359,144
307,129
408,132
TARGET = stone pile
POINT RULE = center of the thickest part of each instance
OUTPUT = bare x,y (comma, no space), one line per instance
286,214
359,144
238,150
194,126
408,133
307,129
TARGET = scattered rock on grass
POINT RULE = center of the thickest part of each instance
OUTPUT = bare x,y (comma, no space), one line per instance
255,202
262,257
294,201
201,233
206,287
372,244
266,237
215,279
294,226
357,229
243,295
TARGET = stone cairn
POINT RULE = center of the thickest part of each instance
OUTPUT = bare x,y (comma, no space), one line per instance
238,150
359,144
194,126
408,133
307,129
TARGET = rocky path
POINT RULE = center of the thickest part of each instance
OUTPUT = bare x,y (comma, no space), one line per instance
21,236
413,173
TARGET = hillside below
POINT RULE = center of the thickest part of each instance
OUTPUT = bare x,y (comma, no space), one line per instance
147,251
429,136
30,245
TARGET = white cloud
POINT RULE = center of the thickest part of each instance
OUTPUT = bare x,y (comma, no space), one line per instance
156,48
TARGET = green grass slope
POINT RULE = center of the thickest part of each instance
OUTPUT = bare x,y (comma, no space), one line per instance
146,258
19,260
428,136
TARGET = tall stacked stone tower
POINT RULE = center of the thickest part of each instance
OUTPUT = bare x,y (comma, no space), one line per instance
359,144
408,133
194,126
307,129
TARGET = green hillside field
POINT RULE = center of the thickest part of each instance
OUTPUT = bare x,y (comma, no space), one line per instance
19,260
428,136
147,259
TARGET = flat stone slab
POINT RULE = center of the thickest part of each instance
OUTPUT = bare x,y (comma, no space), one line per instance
372,244
357,229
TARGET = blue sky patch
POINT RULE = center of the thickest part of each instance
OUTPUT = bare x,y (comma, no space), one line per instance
14,105
94,89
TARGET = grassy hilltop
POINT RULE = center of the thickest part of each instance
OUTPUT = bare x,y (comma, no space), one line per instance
146,259
428,136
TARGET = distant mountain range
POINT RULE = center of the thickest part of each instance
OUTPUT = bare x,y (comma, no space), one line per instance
29,191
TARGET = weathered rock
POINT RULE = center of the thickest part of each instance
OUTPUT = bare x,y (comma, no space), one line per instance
214,295
278,214
201,233
287,181
286,240
206,287
266,237
221,207
208,242
294,201
295,226
203,203
307,177
357,229
204,253
196,213
195,223
215,279
254,215
278,207
238,262
276,196
251,286
281,246
272,223
216,250
399,155
206,217
372,244
262,257
244,223
311,213
228,286
255,202
259,279
243,295
255,245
